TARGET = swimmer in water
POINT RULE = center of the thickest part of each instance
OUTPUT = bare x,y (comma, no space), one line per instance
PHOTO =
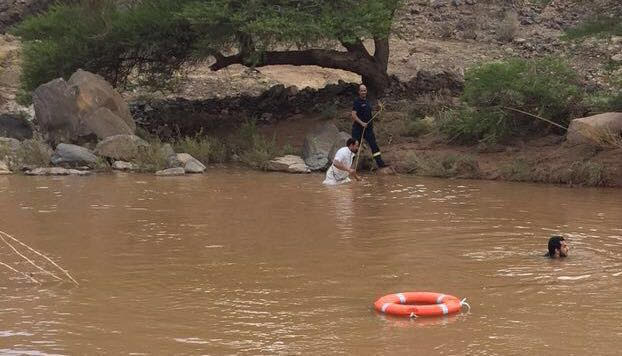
558,247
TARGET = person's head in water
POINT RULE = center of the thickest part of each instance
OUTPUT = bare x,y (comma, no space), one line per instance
353,145
557,247
363,91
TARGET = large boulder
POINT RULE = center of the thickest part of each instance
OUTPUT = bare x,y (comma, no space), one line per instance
318,144
15,126
95,92
190,164
56,110
103,123
593,129
81,109
120,147
289,163
73,156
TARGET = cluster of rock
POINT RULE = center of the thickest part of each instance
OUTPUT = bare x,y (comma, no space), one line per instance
319,148
86,121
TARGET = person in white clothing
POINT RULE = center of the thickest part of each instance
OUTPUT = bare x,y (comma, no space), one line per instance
341,169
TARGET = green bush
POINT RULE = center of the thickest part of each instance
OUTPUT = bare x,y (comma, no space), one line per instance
596,27
444,166
205,149
416,128
253,148
604,102
101,37
506,98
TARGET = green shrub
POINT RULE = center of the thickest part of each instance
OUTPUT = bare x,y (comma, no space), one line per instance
151,158
499,96
508,27
34,152
253,148
416,128
518,170
444,166
205,149
92,35
604,102
469,125
596,27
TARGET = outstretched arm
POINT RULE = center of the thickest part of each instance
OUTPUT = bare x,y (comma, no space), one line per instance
340,165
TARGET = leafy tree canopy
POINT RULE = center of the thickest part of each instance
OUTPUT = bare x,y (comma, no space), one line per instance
157,37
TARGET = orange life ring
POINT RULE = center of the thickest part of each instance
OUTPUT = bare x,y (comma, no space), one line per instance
415,304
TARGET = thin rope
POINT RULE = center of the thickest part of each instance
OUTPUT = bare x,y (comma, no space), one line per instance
463,302
19,272
41,255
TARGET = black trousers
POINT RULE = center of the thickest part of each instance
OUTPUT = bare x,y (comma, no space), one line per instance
370,138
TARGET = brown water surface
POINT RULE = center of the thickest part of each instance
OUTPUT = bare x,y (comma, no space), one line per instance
238,262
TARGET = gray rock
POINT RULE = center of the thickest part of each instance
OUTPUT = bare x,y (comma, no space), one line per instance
15,126
56,171
438,3
120,147
171,157
617,57
11,144
94,92
191,164
103,123
179,171
289,163
471,2
73,156
124,166
592,129
4,167
69,111
318,144
56,110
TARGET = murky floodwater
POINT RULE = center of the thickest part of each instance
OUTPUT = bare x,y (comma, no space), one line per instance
238,262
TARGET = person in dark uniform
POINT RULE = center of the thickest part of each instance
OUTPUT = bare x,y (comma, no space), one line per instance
361,117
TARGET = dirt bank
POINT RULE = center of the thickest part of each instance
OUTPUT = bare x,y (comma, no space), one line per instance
548,159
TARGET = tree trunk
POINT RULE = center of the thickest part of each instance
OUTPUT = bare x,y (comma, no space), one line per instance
373,69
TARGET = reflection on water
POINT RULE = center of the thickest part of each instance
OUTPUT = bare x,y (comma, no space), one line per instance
242,262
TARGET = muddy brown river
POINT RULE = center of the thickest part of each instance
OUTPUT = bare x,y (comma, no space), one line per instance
239,262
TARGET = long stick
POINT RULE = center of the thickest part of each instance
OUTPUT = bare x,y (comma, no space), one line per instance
30,261
41,255
360,152
18,272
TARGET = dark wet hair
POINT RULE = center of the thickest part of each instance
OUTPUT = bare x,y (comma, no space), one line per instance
350,142
555,242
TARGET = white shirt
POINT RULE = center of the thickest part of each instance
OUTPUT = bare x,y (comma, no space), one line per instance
335,175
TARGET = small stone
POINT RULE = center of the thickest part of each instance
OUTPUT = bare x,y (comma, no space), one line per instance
520,40
56,171
179,171
289,163
616,39
123,166
617,57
